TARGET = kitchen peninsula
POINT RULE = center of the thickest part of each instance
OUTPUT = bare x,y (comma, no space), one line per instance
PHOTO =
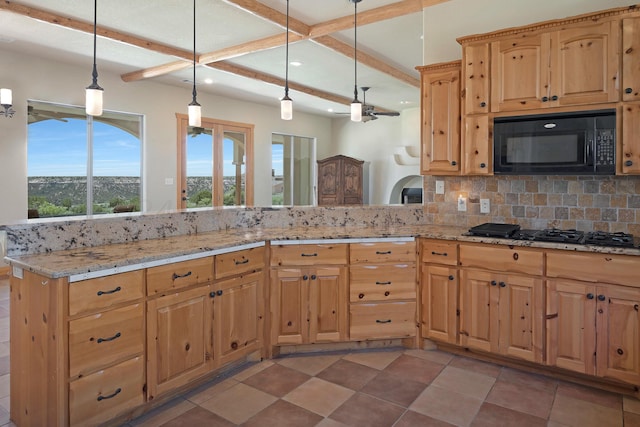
102,332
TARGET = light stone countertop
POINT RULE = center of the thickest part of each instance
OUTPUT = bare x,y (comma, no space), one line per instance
109,259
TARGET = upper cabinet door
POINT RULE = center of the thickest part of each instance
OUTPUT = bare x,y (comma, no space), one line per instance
476,78
631,59
441,122
584,64
520,73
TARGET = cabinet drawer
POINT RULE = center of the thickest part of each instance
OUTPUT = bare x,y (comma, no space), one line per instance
100,339
382,282
503,259
106,394
239,262
179,275
382,252
439,252
594,267
104,292
308,254
383,320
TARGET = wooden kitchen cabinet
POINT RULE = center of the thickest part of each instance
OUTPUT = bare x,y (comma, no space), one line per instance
631,59
630,156
476,78
180,341
477,145
340,181
439,290
572,66
440,119
309,305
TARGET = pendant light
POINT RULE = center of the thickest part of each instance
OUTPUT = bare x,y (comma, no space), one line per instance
93,101
195,112
286,104
356,106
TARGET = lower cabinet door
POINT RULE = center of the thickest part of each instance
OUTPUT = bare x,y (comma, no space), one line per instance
618,333
104,395
383,320
179,339
479,323
327,304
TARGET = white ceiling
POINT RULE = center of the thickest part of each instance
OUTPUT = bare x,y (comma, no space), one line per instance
395,41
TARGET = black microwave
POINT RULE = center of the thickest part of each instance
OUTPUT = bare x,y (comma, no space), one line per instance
577,143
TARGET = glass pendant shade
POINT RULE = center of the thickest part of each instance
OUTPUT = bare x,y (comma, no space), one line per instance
356,111
195,115
6,97
286,108
94,101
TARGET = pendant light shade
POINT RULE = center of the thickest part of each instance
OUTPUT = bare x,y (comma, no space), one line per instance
356,106
195,111
286,104
93,101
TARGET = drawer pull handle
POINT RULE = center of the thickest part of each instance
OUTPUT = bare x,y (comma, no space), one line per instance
313,254
383,321
112,395
181,276
383,252
116,336
244,261
383,283
439,253
112,291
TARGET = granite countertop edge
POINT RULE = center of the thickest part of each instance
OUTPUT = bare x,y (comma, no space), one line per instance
141,254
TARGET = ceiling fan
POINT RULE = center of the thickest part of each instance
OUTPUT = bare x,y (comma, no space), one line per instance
369,112
196,130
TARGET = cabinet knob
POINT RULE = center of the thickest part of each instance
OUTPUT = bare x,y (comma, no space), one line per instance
590,295
360,296
387,293
451,277
453,163
628,90
628,163
483,104
601,297
219,292
502,284
545,98
313,277
554,98
212,294
483,165
620,351
494,283
184,199
305,277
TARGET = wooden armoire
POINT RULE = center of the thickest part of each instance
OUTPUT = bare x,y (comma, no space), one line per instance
340,181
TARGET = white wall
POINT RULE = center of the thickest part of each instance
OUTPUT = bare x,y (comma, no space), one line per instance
482,16
46,80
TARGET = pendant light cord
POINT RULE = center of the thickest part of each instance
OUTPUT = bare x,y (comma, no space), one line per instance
194,102
286,76
94,74
355,49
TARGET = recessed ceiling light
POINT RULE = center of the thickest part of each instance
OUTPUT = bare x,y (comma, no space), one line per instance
405,102
295,63
330,110
208,81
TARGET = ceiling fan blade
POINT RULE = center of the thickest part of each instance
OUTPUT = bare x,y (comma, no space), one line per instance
390,113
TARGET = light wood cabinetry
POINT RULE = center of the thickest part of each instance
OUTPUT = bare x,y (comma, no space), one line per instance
572,66
440,118
501,308
340,181
439,290
478,145
476,78
631,59
382,290
630,156
308,293
593,322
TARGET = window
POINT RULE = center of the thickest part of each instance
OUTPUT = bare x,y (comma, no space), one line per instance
215,164
293,163
82,165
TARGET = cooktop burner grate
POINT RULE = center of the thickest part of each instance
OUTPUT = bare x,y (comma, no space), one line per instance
602,238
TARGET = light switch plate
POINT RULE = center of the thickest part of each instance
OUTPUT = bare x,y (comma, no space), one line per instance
485,206
462,204
168,181
439,187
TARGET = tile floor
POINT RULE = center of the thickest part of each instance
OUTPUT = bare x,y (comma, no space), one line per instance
400,388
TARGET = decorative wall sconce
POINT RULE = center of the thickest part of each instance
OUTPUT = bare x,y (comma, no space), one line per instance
6,100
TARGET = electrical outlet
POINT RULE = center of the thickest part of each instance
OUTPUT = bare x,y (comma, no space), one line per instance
462,204
485,206
439,187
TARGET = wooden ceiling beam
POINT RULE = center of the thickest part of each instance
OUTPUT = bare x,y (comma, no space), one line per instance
87,27
271,15
248,47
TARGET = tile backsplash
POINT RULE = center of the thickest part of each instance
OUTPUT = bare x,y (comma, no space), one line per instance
605,203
